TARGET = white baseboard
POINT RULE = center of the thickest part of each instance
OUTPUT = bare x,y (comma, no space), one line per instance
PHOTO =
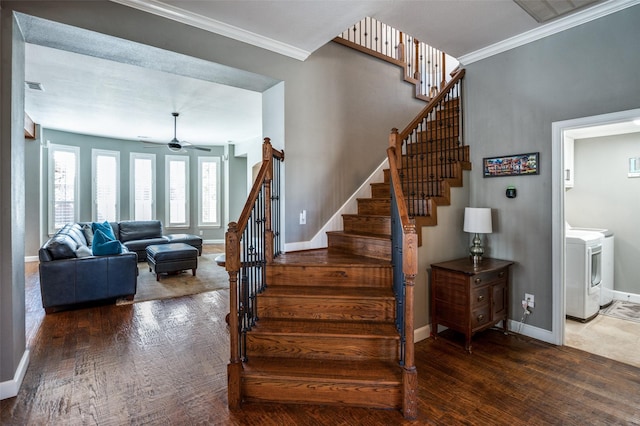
10,388
531,331
422,333
213,241
627,297
31,259
335,222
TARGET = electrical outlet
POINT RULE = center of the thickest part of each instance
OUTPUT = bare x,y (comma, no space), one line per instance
303,217
530,298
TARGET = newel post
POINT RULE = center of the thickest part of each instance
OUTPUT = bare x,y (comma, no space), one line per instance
267,157
232,265
409,372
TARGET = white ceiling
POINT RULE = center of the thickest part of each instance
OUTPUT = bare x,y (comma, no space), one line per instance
97,85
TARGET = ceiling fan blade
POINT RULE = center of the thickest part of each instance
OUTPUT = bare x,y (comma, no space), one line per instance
196,147
189,145
150,144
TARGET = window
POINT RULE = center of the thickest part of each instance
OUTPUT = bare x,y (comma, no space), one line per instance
142,188
208,191
177,184
63,185
105,167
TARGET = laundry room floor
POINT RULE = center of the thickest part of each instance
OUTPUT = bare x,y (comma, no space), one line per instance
610,337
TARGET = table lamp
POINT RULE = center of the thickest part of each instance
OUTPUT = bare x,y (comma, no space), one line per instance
477,221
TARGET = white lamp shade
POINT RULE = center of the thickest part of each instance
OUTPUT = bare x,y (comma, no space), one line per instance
477,220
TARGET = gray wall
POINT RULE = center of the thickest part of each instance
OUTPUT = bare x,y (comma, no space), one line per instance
604,197
12,198
237,185
512,100
38,160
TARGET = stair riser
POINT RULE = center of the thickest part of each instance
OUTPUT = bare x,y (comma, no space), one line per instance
379,190
445,117
369,395
432,166
421,177
440,119
313,346
374,206
325,308
334,275
445,131
452,150
420,146
411,170
372,225
368,247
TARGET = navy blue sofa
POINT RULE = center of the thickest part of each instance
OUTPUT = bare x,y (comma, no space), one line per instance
71,274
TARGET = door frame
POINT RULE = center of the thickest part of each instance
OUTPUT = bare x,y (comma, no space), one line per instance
557,207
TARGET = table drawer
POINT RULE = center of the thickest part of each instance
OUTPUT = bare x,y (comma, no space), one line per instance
488,277
479,296
480,316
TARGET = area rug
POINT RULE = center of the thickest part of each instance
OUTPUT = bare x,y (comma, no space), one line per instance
623,310
209,277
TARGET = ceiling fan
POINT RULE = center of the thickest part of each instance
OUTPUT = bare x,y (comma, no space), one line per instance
176,145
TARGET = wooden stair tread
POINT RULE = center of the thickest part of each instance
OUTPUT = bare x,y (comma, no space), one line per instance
300,292
381,372
324,257
361,235
302,327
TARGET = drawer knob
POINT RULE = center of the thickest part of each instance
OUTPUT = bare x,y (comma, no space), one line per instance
480,317
480,298
478,280
501,274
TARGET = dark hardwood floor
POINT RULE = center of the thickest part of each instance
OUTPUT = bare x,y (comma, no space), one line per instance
164,362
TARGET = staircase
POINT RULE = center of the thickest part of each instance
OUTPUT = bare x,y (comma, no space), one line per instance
328,326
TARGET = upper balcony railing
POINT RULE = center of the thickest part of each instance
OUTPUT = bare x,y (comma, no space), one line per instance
427,67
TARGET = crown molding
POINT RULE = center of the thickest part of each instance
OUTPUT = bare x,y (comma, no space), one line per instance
578,18
180,15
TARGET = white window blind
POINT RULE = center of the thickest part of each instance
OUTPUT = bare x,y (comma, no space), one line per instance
63,185
142,187
177,184
106,185
208,191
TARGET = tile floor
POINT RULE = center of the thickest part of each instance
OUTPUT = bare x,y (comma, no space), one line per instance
606,336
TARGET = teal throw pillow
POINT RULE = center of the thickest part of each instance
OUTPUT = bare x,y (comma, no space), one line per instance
103,245
105,227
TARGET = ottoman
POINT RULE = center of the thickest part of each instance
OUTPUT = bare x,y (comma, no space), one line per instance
172,257
192,240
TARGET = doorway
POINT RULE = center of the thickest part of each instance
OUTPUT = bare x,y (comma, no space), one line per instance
563,332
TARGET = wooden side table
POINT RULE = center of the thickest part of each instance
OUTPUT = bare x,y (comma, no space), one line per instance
469,298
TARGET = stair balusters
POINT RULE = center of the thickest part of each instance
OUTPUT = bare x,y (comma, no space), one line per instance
250,244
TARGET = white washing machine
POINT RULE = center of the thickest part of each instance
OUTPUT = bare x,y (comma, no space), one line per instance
583,273
606,285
